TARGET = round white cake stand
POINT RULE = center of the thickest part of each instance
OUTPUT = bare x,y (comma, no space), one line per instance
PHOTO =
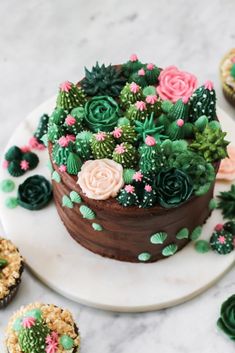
76,273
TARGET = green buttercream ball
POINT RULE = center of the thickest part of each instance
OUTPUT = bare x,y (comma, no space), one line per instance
166,106
226,322
123,121
222,242
33,339
36,313
101,113
14,153
126,155
202,246
17,325
34,193
74,163
11,202
78,113
127,134
58,117
70,98
66,342
149,91
173,187
212,204
85,136
7,185
201,123
128,175
102,145
83,148
128,97
32,158
14,169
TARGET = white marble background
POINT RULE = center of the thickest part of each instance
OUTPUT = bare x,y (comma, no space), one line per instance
45,42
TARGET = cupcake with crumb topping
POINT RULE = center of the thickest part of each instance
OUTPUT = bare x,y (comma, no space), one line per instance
11,268
42,328
227,74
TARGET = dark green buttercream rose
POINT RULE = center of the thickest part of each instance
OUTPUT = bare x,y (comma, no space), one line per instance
34,193
226,321
101,113
173,187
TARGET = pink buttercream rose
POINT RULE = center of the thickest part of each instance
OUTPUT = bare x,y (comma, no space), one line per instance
175,84
101,179
227,166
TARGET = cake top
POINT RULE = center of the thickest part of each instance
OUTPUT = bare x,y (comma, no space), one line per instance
11,263
138,133
42,328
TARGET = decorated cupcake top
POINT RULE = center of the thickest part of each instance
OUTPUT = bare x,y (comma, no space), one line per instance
42,328
227,69
137,119
11,266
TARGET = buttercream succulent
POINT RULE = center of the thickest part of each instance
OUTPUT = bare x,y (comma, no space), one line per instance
132,65
32,337
139,78
13,153
101,179
152,73
152,158
125,133
149,197
41,128
58,116
173,187
221,241
211,144
148,128
61,151
128,197
137,112
227,203
101,113
70,96
103,80
203,102
73,164
126,155
130,94
83,146
55,132
226,322
34,193
72,124
102,145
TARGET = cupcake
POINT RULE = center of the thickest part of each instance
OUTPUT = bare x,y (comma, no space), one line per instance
227,75
42,328
11,268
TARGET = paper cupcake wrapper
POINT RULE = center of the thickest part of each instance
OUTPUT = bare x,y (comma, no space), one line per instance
229,94
5,301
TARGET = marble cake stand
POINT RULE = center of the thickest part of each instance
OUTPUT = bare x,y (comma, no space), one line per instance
58,261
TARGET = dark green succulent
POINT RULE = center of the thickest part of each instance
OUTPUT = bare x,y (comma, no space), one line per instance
103,80
227,203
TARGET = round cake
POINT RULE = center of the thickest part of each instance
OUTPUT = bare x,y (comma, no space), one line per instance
134,153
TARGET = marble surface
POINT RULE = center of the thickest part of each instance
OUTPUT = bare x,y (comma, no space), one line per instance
45,42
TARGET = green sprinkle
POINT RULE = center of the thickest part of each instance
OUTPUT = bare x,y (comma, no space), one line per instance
202,246
11,202
7,185
196,233
212,204
66,202
183,234
97,227
144,256
56,176
67,342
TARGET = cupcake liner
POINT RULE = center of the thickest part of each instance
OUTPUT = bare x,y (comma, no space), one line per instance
13,291
229,94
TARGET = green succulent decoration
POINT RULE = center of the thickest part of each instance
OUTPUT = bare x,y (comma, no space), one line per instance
33,339
70,96
152,158
227,203
211,144
203,102
125,133
127,196
83,147
126,155
131,93
137,112
103,80
58,117
131,66
148,128
102,145
42,128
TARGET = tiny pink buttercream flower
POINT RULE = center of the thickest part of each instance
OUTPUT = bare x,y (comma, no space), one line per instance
222,239
140,105
134,87
63,141
138,176
100,136
53,337
70,120
150,66
141,72
62,168
25,149
52,347
151,99
5,164
129,189
209,85
117,132
28,322
219,227
33,142
70,138
133,58
65,86
148,188
180,122
24,165
120,149
150,141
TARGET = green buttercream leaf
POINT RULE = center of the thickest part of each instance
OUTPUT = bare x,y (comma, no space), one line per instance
97,227
7,185
87,212
144,256
158,238
183,234
227,203
74,163
196,233
56,176
169,250
66,202
212,204
75,197
67,342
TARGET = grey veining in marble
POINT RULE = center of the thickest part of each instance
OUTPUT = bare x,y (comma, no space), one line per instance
45,42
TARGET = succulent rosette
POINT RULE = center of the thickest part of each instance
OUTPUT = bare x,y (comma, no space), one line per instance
226,322
175,84
173,187
34,193
101,179
101,113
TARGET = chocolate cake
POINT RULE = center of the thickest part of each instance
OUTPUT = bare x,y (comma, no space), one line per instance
134,152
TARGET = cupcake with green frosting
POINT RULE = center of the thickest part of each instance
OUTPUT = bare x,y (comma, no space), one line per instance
227,76
42,328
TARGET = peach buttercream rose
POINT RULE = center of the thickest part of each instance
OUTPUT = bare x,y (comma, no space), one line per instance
101,179
175,84
227,166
